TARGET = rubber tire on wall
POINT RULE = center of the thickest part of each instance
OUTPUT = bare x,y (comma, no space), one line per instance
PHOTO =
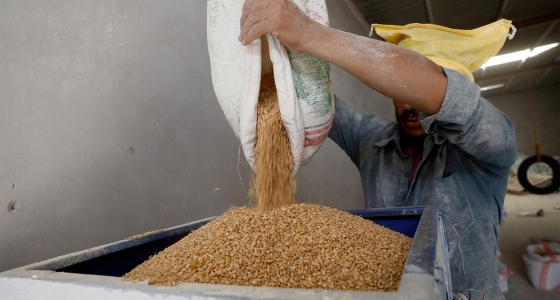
524,167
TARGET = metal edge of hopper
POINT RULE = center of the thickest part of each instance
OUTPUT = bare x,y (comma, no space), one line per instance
423,251
429,256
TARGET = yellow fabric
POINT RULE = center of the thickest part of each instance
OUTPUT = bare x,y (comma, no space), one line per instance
461,50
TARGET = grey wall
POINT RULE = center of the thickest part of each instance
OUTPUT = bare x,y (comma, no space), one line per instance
109,125
547,116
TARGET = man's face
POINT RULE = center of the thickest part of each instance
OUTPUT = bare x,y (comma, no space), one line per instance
408,119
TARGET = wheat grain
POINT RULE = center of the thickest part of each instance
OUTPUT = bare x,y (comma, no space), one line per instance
273,184
299,246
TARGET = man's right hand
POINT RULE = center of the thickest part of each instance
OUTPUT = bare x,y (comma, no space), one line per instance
280,18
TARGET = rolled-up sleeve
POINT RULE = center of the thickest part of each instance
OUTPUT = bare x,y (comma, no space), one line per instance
472,123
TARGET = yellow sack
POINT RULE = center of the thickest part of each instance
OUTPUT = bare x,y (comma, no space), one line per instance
460,50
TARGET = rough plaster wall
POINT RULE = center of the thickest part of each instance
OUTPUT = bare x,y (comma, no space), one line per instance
109,126
547,115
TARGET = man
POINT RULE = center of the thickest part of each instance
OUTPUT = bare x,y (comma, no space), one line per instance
449,147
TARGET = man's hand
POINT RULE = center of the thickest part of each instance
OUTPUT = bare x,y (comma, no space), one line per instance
280,18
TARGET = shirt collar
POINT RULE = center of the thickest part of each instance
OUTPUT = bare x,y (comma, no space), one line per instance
394,137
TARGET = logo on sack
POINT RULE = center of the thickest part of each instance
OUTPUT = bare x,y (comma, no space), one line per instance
311,80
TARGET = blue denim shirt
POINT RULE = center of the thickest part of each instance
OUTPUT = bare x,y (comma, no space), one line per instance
464,171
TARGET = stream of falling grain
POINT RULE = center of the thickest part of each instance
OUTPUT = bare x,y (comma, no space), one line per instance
273,184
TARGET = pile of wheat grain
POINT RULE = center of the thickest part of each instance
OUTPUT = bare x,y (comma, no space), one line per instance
273,183
297,246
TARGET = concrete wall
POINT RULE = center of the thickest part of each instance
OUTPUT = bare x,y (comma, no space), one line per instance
109,125
547,116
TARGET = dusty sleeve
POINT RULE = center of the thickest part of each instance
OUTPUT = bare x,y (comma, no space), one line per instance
473,123
345,130
351,129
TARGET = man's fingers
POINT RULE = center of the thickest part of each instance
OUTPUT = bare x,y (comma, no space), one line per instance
251,22
256,31
283,18
250,7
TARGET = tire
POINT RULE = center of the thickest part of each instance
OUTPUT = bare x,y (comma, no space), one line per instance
524,167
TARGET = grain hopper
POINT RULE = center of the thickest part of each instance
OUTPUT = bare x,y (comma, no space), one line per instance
95,273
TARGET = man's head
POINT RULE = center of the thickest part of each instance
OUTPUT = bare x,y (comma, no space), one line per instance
408,120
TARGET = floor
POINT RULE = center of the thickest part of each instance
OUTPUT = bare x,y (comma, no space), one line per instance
515,234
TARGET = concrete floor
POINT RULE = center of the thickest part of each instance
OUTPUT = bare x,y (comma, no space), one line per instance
515,234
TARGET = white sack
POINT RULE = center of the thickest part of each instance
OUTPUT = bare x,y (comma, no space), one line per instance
544,252
542,265
302,80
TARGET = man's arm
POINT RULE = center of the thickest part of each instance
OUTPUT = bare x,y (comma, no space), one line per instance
395,72
474,125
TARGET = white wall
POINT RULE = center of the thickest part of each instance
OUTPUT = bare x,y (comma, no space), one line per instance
547,118
109,125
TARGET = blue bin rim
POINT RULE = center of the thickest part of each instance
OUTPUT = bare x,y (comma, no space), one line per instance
420,262
389,211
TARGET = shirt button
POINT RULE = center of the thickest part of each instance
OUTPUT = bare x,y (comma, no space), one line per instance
406,174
